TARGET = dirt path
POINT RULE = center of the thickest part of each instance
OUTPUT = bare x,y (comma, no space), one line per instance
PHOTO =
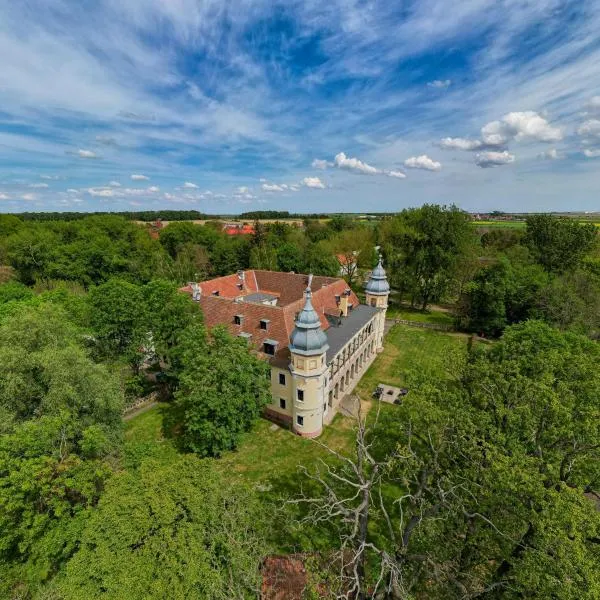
140,410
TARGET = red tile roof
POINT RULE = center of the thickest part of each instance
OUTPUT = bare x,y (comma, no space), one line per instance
221,309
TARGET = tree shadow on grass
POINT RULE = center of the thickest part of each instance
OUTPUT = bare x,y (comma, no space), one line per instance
172,425
293,529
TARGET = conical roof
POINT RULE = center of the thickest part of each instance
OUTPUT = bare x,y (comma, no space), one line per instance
308,338
378,284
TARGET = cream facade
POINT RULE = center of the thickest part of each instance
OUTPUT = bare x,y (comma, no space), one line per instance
324,366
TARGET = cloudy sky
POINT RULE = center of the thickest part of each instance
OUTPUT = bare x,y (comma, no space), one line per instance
300,105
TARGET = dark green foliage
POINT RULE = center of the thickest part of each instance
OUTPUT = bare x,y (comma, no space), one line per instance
118,317
222,390
45,371
559,245
51,475
13,290
178,530
424,247
501,294
290,258
480,481
144,215
88,251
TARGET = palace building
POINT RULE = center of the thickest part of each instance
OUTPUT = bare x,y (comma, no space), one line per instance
313,331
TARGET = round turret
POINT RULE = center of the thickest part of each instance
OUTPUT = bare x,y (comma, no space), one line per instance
378,284
308,338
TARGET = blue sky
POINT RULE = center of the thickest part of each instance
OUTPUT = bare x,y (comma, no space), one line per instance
305,106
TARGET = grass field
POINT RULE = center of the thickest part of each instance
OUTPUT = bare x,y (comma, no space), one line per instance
437,317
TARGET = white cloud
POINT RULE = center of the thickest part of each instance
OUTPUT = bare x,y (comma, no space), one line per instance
460,144
520,126
101,192
153,189
551,154
440,84
313,182
188,185
397,174
38,185
294,188
592,153
422,162
354,164
243,190
272,187
72,191
50,177
137,177
4,196
114,184
593,104
590,128
494,134
86,154
28,197
493,159
318,163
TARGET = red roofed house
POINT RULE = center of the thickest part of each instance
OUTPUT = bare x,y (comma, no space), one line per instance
314,332
237,229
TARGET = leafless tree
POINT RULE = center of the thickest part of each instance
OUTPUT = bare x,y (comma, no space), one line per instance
356,489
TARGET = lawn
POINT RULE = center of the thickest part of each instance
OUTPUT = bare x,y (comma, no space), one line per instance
412,358
437,317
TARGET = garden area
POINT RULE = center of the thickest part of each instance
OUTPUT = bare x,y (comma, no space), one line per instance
412,358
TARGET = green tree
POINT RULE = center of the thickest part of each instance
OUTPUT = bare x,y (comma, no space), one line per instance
290,258
168,313
45,371
177,530
559,244
427,244
501,294
223,388
51,474
118,317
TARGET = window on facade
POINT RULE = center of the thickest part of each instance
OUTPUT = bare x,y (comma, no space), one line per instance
264,323
237,319
281,403
300,420
281,378
301,395
373,302
269,349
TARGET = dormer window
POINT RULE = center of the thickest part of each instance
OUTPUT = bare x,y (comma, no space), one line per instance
264,324
246,336
270,347
238,319
215,293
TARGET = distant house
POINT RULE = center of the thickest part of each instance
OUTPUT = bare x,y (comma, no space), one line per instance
238,229
348,264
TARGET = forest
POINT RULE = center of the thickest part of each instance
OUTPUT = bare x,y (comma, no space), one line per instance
484,483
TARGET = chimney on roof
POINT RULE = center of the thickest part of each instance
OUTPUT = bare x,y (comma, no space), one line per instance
196,291
310,278
242,278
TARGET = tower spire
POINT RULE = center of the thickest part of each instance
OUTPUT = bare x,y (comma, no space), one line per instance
308,338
